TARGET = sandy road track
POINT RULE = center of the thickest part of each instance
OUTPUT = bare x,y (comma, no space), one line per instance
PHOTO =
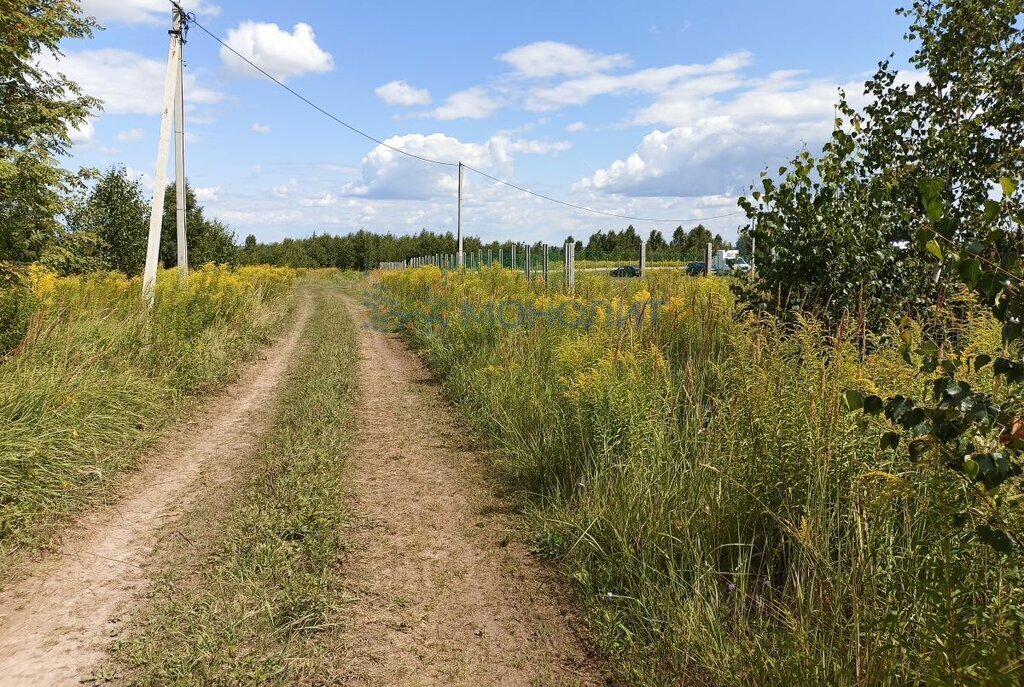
56,623
445,592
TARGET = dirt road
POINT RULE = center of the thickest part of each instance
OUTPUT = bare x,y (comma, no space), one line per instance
445,592
56,623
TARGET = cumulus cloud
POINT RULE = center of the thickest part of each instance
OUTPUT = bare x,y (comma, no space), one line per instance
125,81
391,175
549,58
401,93
260,128
141,11
208,193
472,103
285,190
274,50
712,142
130,135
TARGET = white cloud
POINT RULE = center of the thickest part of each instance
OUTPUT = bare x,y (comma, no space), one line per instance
125,81
130,135
714,144
260,128
401,93
285,190
576,127
208,193
325,200
538,147
83,132
549,58
274,50
390,175
472,103
715,77
141,11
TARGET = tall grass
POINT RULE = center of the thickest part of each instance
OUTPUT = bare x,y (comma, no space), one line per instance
90,375
697,477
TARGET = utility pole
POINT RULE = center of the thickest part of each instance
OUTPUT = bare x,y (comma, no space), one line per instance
156,214
459,221
179,148
753,245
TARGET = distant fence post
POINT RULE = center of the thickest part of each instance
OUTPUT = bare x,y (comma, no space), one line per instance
501,257
643,257
545,254
490,257
707,261
526,263
570,265
513,263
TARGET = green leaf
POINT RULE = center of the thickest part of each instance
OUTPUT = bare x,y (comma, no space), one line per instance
970,271
889,440
931,196
1011,331
873,404
853,400
933,248
997,539
971,468
1008,185
991,211
913,418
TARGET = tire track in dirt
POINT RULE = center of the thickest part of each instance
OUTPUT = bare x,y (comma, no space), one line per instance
445,592
57,622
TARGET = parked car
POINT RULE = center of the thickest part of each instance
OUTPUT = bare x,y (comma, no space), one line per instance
626,271
695,269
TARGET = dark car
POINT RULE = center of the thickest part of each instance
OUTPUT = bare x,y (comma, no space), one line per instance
695,269
626,271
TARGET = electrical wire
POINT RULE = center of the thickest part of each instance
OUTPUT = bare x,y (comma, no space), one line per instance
192,20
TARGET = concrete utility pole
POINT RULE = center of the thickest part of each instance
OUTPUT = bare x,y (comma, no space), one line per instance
643,257
156,214
459,221
753,245
707,262
179,151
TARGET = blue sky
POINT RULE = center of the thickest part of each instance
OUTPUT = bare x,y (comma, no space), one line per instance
656,109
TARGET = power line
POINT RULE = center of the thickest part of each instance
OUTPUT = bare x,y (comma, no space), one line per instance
594,210
307,101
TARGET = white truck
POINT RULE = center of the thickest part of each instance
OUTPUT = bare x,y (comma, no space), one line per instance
727,262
